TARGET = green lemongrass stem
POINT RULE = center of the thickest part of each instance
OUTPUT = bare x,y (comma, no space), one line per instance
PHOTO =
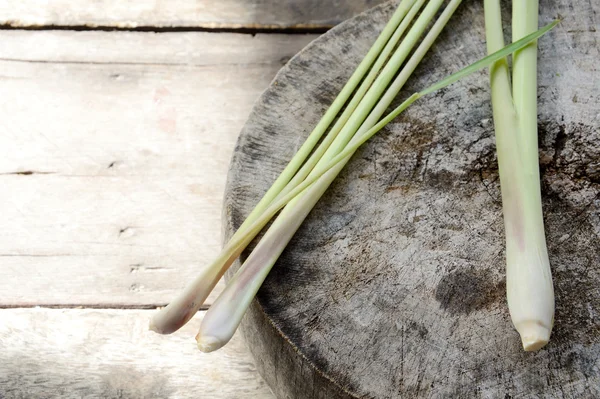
378,87
219,324
409,68
264,256
342,98
529,289
356,99
530,293
184,306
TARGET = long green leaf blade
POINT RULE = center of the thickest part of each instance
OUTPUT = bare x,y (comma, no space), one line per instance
490,59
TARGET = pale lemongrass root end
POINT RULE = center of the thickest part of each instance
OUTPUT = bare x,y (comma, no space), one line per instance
152,326
534,335
161,328
208,344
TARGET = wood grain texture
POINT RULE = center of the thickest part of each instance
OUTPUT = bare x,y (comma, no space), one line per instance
262,14
394,286
51,353
113,157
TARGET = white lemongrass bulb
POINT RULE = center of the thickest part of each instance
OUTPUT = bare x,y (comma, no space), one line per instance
225,314
181,309
530,292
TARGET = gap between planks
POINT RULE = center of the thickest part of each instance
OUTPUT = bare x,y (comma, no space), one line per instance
270,29
100,306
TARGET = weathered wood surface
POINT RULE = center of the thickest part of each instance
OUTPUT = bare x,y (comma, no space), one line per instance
252,14
82,353
113,155
394,286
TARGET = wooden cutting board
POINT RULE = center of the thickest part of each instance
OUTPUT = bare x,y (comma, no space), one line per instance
394,286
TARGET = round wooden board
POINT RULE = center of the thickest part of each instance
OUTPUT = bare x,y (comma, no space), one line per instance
394,285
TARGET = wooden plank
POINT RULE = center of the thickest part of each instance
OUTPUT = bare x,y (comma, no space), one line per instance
262,14
114,150
83,353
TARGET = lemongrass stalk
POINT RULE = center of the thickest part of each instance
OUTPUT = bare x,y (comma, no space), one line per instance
383,103
183,307
531,295
410,66
378,87
356,99
389,31
529,287
224,316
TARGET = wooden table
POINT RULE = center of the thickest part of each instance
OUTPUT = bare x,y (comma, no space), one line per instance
117,123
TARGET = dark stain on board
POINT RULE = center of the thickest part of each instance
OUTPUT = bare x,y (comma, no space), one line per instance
465,291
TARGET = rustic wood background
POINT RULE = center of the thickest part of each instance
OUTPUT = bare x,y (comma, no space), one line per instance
394,285
114,148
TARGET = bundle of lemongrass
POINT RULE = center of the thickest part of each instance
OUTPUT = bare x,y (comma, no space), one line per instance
365,97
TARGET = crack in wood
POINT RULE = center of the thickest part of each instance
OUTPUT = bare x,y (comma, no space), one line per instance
222,28
153,64
98,306
26,173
